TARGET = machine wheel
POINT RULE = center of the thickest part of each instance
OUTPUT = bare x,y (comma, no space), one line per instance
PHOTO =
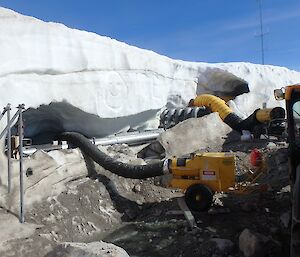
198,197
258,130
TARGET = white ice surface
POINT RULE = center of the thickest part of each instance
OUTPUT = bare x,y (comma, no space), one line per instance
44,61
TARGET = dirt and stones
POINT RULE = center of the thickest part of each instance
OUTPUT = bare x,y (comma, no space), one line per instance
88,206
158,232
140,216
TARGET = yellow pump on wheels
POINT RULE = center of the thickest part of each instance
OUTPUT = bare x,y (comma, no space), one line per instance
202,174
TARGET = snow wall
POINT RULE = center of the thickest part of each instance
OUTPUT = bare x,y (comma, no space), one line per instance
43,62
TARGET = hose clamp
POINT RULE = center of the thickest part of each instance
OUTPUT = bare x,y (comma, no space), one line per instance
166,166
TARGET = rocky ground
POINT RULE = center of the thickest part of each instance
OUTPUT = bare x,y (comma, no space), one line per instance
254,224
141,216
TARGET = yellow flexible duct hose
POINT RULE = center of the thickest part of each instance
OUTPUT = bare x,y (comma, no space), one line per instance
214,103
264,115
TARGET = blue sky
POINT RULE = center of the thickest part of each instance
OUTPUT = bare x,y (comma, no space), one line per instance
192,30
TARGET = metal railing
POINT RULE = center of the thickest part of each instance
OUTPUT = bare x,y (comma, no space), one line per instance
7,130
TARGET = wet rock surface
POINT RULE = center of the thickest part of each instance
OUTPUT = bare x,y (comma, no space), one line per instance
95,249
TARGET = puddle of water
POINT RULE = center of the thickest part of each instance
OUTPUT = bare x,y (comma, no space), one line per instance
157,239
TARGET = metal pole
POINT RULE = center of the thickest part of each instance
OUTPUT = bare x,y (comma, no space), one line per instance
21,107
261,33
8,151
2,114
128,139
9,124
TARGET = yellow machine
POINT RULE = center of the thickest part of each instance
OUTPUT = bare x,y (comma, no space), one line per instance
202,174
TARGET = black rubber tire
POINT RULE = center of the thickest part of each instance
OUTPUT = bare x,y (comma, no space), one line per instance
198,197
258,130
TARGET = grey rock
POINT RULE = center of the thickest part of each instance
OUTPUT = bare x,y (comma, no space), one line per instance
248,207
216,247
257,245
251,244
94,249
214,211
285,219
137,188
271,145
131,213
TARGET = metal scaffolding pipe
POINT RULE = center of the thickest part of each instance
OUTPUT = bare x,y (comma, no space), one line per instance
20,128
4,111
9,124
8,150
128,138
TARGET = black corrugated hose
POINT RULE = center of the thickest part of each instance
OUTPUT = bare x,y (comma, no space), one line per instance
119,168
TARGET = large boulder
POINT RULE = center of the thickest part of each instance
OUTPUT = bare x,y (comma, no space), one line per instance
196,134
94,249
254,244
217,247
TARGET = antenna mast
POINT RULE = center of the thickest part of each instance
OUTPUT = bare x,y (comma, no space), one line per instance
262,34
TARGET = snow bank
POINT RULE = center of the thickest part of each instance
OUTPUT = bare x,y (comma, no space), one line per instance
42,62
262,80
